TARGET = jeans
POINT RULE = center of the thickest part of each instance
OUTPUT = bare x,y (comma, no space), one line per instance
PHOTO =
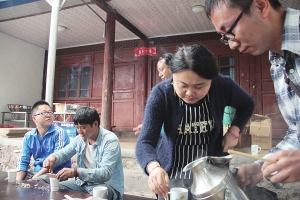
42,178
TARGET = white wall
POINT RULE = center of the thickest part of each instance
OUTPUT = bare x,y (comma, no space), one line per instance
21,72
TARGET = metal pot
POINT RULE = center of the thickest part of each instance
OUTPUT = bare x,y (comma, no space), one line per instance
214,181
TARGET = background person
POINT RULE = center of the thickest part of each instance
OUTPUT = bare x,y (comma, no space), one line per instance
248,26
40,142
191,107
99,158
163,68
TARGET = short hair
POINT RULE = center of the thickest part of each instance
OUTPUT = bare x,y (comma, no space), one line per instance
37,104
241,4
167,57
86,115
196,58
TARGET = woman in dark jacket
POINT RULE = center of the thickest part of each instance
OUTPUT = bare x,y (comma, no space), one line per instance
191,107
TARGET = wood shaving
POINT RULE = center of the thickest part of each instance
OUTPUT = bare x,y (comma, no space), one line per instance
42,188
25,185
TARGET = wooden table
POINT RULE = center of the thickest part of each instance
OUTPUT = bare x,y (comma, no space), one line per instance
34,190
131,197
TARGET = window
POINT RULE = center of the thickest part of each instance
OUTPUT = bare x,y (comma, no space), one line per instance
74,82
227,66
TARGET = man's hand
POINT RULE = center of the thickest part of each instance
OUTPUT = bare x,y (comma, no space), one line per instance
249,174
49,163
288,165
137,129
41,172
20,175
65,173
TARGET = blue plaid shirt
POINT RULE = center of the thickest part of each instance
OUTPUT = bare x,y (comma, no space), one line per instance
288,100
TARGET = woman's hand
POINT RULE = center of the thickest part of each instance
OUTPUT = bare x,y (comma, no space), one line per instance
158,180
230,139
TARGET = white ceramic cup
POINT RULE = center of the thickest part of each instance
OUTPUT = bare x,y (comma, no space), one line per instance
255,149
100,191
54,184
11,175
179,193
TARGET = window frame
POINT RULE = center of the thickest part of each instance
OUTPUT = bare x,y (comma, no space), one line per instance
79,80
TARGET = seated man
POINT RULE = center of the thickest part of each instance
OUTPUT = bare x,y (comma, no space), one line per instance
40,142
99,159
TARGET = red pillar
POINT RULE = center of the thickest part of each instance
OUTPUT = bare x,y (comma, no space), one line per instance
141,84
108,69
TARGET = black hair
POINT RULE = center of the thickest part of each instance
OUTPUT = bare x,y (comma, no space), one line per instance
86,115
37,104
167,57
241,4
196,58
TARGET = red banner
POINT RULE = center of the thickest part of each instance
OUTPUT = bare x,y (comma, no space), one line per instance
145,51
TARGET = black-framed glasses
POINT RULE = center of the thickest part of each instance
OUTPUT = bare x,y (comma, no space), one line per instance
45,113
229,35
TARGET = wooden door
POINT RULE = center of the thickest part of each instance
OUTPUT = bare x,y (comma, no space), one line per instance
153,77
252,73
97,86
268,102
123,97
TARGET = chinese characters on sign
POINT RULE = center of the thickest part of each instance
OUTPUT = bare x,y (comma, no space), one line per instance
145,51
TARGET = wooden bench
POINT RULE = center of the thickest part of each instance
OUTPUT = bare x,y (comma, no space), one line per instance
13,132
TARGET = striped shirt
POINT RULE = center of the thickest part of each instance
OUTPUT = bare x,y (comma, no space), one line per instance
288,101
194,135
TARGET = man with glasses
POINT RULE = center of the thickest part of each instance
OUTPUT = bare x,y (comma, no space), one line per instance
253,27
39,143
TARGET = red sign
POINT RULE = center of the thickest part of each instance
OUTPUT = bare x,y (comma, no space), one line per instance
145,51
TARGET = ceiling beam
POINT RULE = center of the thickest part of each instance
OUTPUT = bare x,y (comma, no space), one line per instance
107,8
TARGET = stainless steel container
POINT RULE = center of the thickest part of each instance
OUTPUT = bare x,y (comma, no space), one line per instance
214,181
